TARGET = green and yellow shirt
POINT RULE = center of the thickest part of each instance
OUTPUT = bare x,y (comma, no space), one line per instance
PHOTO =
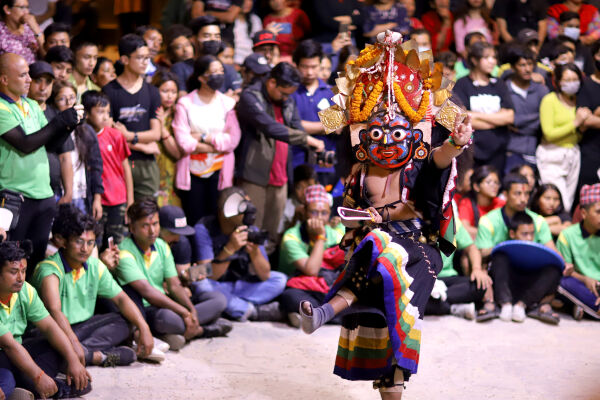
493,229
581,249
23,307
462,240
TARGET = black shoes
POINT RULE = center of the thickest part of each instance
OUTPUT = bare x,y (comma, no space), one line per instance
220,327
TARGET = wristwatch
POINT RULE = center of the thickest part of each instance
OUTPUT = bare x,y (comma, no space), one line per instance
136,139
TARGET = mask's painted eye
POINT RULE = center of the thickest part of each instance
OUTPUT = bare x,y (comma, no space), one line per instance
398,134
376,134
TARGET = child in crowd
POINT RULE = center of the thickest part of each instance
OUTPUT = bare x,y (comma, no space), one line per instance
104,72
381,15
291,25
116,172
87,162
482,198
304,176
579,244
225,54
170,153
547,202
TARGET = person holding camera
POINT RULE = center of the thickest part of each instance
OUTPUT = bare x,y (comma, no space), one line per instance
269,123
240,267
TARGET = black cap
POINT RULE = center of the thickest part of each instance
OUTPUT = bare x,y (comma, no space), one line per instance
257,63
527,35
173,219
40,68
264,37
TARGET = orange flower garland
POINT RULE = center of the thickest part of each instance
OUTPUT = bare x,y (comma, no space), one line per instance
367,57
358,115
412,115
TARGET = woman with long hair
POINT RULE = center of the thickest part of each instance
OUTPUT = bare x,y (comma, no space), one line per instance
547,202
474,16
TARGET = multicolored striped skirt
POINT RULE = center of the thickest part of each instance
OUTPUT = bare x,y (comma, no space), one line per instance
392,274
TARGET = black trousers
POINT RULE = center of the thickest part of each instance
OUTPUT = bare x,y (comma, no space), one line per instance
201,199
35,223
460,290
101,332
512,285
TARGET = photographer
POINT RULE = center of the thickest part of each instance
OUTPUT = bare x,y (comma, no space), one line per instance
240,267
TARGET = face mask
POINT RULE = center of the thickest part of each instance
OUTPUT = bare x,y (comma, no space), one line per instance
215,81
424,48
572,33
570,88
211,47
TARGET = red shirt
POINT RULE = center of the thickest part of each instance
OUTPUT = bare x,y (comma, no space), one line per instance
113,149
278,175
294,27
465,209
433,23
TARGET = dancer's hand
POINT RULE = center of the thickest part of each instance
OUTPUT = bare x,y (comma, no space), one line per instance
376,217
462,132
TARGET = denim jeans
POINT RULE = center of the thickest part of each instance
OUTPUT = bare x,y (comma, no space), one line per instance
241,293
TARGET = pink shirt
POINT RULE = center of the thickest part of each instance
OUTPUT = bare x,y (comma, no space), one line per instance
24,45
468,25
278,174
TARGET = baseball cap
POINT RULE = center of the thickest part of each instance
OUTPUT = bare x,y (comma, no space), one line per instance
527,35
173,219
40,68
264,37
257,63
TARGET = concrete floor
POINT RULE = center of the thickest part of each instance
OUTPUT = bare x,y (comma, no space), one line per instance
459,360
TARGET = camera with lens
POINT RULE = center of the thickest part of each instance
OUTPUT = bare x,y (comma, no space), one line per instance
257,236
238,204
325,157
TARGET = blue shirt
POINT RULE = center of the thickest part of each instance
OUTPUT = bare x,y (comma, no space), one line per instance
308,109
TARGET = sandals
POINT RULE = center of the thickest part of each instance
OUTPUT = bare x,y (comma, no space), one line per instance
487,312
549,316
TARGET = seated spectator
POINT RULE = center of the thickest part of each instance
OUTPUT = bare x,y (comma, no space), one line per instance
454,294
246,25
558,157
36,362
439,22
473,16
310,255
71,282
578,245
448,60
463,182
255,68
530,173
154,41
19,30
423,39
547,202
560,55
23,160
57,34
490,106
304,176
462,66
207,131
512,16
116,172
225,54
523,290
86,56
291,25
146,269
104,72
240,267
382,15
415,23
526,95
61,59
178,46
226,12
265,43
527,38
481,199
588,14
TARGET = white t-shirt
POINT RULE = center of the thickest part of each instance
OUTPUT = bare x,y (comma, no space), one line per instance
79,181
242,42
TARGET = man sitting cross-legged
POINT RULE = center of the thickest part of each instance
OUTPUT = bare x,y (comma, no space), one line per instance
36,363
71,281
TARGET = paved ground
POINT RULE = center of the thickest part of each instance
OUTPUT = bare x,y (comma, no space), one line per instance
459,360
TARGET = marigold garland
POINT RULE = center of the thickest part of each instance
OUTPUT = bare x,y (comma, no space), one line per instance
367,57
412,115
358,115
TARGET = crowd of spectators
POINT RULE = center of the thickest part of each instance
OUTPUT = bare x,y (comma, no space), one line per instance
188,182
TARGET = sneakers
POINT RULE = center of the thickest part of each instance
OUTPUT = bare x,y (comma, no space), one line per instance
175,342
156,355
220,327
464,310
506,312
294,319
160,345
21,394
518,313
68,392
119,356
269,312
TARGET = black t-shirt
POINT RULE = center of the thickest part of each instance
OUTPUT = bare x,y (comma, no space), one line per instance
519,15
53,150
486,99
223,6
133,110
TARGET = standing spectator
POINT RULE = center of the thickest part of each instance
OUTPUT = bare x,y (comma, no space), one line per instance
269,121
547,202
409,5
19,31
61,59
558,157
180,12
313,95
178,46
226,12
490,106
290,24
226,53
43,10
86,56
154,40
116,172
474,16
439,21
422,37
57,34
207,131
527,38
246,25
382,15
254,69
526,96
588,14
24,167
512,16
133,104
104,72
265,43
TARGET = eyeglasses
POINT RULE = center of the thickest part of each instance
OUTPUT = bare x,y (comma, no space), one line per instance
21,7
66,99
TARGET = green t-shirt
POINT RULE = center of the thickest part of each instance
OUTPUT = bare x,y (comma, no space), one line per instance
23,307
294,248
492,229
155,268
462,240
78,289
580,249
28,174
